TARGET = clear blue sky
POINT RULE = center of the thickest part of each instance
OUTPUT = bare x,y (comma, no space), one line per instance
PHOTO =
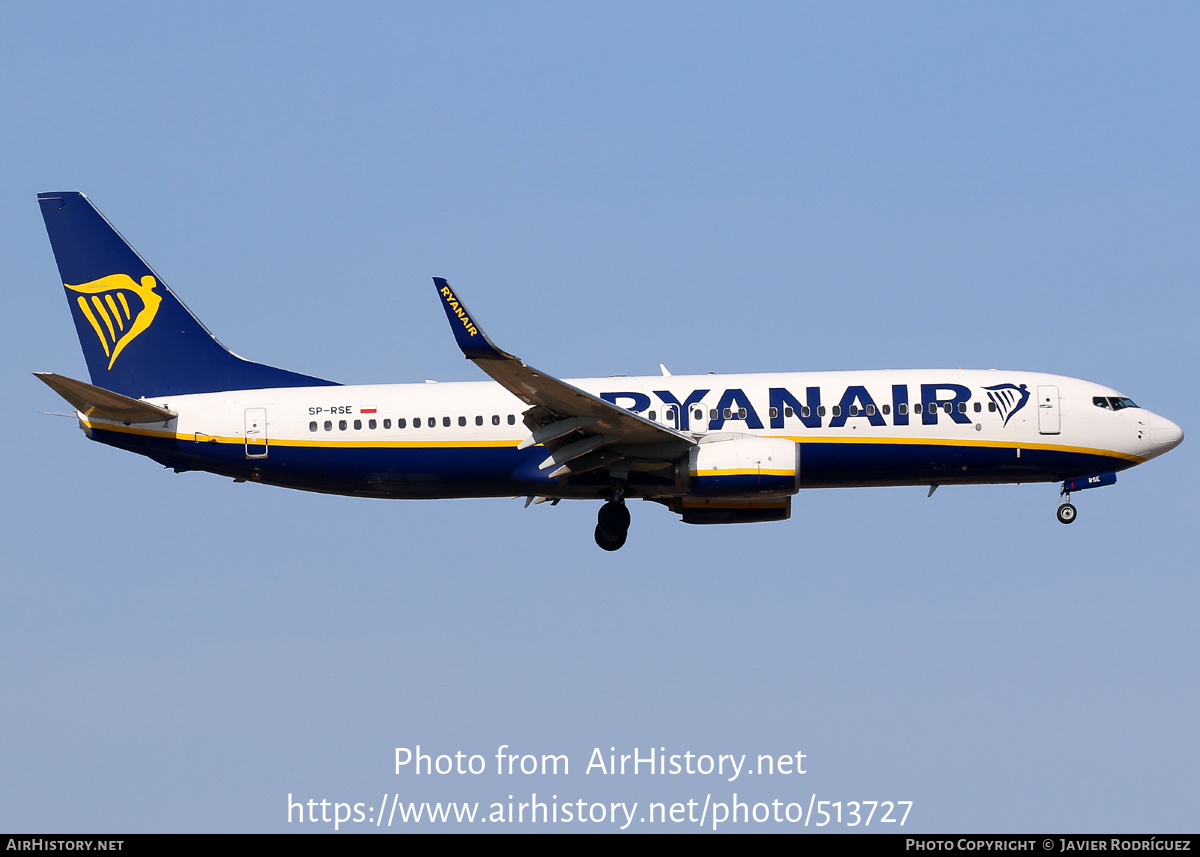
775,188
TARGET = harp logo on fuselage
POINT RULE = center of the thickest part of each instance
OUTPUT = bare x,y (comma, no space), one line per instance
106,304
1008,398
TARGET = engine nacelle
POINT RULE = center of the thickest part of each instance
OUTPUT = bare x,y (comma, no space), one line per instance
744,466
727,510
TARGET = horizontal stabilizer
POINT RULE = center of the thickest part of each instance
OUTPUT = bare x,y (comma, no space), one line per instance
95,401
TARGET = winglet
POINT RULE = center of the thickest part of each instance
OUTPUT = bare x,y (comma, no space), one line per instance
471,339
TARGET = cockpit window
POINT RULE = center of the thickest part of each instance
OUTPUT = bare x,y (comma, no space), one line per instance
1113,403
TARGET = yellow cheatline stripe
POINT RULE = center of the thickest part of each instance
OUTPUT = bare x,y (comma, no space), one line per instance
87,312
326,444
750,471
455,444
388,444
988,444
112,305
104,315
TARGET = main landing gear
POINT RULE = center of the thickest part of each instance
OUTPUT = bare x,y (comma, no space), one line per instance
612,523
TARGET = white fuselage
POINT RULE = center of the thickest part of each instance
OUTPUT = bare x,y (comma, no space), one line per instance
854,428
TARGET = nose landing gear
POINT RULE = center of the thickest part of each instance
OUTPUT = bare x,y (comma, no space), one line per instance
1066,512
612,523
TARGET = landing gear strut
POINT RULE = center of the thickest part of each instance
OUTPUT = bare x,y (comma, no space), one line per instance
612,523
1066,512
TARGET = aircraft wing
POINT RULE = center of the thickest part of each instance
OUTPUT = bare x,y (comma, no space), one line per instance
583,431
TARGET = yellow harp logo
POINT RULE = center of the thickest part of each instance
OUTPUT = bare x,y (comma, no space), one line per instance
105,303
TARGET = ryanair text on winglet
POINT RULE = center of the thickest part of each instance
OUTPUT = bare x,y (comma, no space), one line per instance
459,311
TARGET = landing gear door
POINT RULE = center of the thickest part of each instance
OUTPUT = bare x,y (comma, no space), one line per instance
256,432
1049,417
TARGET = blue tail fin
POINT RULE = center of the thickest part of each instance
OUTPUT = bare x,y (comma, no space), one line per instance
138,338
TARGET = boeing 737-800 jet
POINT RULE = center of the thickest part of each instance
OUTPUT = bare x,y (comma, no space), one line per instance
714,449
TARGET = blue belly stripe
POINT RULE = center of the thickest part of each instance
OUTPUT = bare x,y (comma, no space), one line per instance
489,471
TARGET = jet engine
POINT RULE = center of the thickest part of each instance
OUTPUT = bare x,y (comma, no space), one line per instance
744,466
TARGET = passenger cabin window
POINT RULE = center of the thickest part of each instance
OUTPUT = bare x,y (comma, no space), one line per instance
901,409
387,424
978,407
962,407
416,422
478,421
446,422
991,407
887,409
328,425
820,410
837,410
806,411
870,410
495,419
512,419
853,411
654,416
372,424
341,425
699,414
358,425
462,421
787,412
312,426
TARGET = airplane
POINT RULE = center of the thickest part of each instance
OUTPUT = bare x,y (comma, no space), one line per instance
714,449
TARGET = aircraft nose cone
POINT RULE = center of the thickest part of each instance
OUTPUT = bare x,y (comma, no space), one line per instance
1164,435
